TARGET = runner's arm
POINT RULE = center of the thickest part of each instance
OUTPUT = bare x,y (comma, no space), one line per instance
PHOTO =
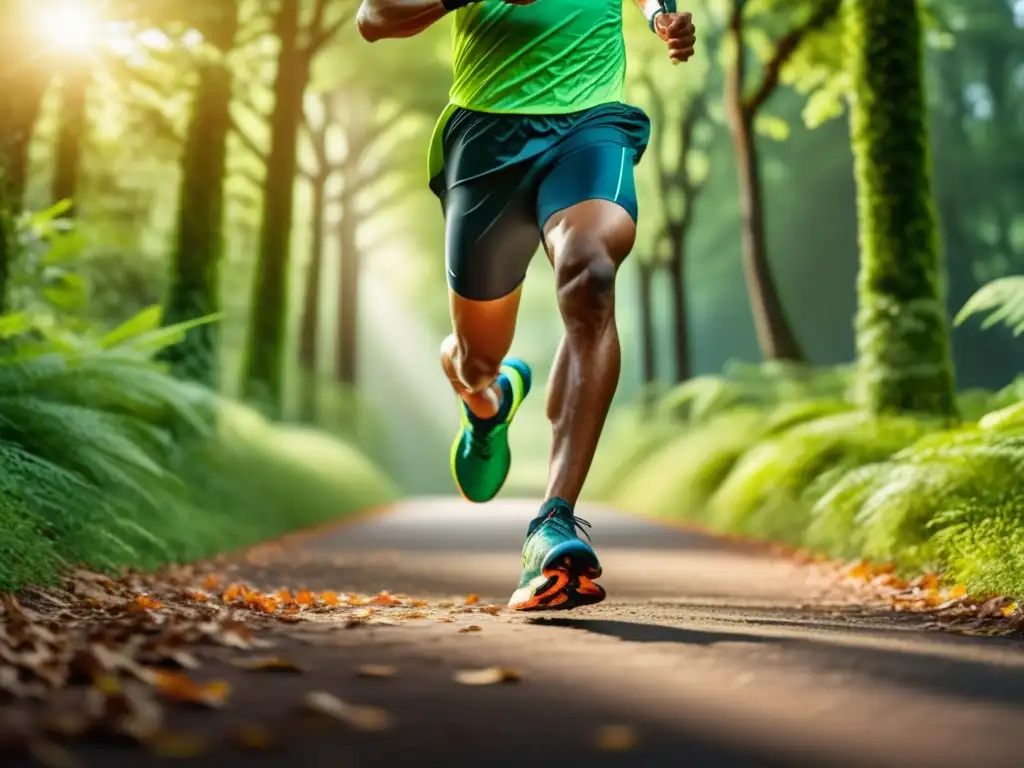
379,19
651,9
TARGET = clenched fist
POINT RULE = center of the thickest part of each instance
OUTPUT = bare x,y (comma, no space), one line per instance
677,30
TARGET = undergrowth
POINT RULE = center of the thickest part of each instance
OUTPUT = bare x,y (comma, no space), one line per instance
792,459
109,462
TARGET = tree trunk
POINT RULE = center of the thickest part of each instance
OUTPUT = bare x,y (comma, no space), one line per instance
902,332
680,330
775,335
199,241
348,290
70,136
23,79
268,327
309,336
645,284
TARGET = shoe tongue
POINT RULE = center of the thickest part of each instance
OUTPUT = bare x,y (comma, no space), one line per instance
555,506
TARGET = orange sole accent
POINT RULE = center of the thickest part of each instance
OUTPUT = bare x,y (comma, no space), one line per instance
565,590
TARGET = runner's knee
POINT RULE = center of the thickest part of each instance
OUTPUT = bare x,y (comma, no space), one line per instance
466,367
585,278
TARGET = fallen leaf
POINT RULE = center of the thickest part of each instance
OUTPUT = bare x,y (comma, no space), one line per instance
183,689
258,738
616,738
174,744
376,670
471,628
359,717
148,603
385,598
329,598
267,664
488,676
956,592
472,599
1008,610
365,613
493,610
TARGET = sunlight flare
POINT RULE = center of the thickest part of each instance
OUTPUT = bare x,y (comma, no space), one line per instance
70,25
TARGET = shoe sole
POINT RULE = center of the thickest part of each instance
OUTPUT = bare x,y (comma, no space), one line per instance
568,584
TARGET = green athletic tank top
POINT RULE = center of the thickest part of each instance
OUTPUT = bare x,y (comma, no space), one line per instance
549,57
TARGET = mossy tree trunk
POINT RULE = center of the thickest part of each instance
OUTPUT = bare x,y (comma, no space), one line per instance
347,357
71,135
902,330
199,240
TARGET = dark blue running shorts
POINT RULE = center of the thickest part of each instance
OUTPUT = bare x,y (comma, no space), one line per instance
505,175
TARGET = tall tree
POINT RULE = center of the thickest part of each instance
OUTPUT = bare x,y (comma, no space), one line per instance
647,269
299,43
775,334
71,134
309,332
199,241
24,76
902,329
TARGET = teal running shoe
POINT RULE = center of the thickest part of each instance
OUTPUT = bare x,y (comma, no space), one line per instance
481,457
559,568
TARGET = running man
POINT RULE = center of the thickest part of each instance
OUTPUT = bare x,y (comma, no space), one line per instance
537,146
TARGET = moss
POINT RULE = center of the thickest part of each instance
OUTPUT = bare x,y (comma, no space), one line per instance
902,331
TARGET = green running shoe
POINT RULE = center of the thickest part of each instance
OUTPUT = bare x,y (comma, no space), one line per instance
480,454
559,568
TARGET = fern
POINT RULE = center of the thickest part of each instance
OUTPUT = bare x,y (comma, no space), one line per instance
1002,299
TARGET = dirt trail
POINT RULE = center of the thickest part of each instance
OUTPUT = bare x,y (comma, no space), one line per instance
705,654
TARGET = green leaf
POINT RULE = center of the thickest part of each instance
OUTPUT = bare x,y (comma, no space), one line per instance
1002,299
773,127
14,324
145,321
168,336
66,292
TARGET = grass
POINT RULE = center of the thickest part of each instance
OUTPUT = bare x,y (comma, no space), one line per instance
108,462
808,469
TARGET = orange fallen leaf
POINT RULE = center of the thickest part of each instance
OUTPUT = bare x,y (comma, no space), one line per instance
182,688
329,598
385,598
472,599
267,664
471,628
283,595
956,592
488,676
305,597
493,610
418,603
616,738
211,582
147,602
1008,610
358,717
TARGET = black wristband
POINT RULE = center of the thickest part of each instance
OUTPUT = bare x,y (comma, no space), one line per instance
454,5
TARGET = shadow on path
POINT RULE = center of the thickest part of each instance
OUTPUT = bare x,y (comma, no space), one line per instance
927,665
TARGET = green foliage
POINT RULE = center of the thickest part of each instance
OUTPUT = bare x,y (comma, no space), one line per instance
764,495
1002,300
108,461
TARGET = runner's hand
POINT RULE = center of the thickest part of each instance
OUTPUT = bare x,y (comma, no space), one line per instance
677,30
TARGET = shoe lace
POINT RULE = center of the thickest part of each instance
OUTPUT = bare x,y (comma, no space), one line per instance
481,444
569,523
